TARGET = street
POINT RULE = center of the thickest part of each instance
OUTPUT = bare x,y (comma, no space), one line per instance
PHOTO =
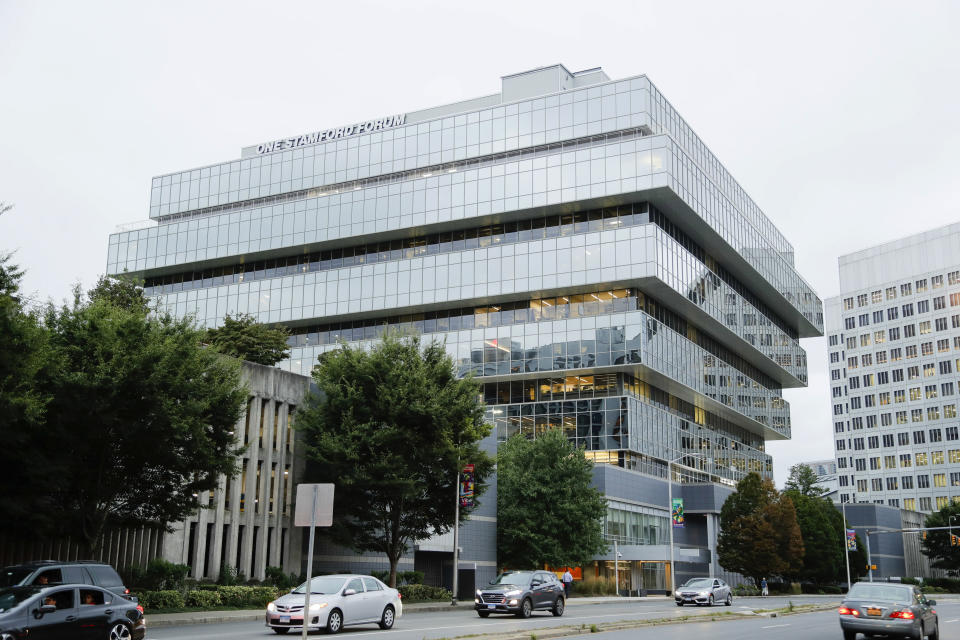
462,622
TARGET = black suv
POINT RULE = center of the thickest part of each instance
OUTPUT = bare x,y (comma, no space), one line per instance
44,572
521,593
68,612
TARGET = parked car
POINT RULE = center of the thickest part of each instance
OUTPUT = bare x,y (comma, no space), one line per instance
898,610
521,593
69,612
335,602
43,572
701,591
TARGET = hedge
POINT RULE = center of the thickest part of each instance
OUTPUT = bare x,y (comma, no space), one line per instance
168,599
247,596
203,599
424,592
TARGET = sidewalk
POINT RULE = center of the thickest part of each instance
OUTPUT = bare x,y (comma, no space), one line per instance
214,617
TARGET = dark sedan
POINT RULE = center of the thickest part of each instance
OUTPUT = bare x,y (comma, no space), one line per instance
521,593
898,610
68,612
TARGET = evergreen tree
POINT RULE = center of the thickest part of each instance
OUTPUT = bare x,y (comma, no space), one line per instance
244,338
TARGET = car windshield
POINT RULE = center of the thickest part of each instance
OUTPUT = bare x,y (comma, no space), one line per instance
861,591
12,597
699,582
322,584
513,577
12,576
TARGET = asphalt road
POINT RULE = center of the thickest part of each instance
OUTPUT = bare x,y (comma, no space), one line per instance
450,624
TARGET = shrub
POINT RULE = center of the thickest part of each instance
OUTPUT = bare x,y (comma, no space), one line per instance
166,599
746,589
593,586
831,589
243,596
230,575
161,575
408,577
276,577
423,592
203,599
260,596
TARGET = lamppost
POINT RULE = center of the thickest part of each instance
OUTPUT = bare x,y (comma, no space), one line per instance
950,524
673,582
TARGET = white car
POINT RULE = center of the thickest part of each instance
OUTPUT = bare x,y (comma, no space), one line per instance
336,601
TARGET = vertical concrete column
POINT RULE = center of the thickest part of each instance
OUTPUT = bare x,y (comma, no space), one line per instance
712,522
213,567
280,486
235,490
263,518
253,456
200,547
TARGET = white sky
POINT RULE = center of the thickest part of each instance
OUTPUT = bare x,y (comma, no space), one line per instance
838,118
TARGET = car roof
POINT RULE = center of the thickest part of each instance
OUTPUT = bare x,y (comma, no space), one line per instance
46,563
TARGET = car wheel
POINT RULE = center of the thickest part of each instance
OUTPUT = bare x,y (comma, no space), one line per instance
386,620
679,604
334,621
710,602
559,606
729,600
483,614
935,635
526,609
119,631
849,635
280,631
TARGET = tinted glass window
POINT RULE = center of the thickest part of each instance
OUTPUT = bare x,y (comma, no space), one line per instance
13,575
49,576
104,575
91,597
73,575
63,599
372,584
698,582
515,577
861,591
324,584
10,598
356,585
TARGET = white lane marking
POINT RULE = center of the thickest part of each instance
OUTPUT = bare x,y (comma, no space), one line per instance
774,626
948,621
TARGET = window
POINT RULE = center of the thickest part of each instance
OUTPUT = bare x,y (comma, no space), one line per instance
881,359
838,427
926,348
876,484
878,337
939,303
866,359
852,362
936,457
929,369
954,299
939,479
855,402
864,319
893,333
916,415
849,323
877,317
851,343
919,437
833,340
896,354
933,413
857,423
923,482
915,394
923,306
921,285
835,374
854,383
873,442
842,462
858,444
924,327
889,462
909,331
860,464
904,459
936,435
882,377
897,375
841,445
907,310
907,482
925,504
901,417
903,438
893,313
952,434
865,340
886,419
862,300
912,351
884,398
835,357
861,485
943,345
891,484
875,463
910,504
953,277
887,440
946,389
891,293
940,324
905,290
936,282
848,303
876,296
949,411
913,373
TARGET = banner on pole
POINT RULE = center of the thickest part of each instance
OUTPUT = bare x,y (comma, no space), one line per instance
676,513
466,486
851,540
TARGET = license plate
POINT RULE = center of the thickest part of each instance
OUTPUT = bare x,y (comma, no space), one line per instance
491,606
284,618
874,612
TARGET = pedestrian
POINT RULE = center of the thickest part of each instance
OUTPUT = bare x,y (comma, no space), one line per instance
567,582
763,588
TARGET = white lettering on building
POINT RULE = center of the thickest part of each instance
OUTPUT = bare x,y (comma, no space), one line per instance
331,134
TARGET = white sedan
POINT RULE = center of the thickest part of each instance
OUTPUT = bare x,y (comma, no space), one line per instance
336,601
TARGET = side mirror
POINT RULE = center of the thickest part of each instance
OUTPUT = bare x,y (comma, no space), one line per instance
349,592
535,583
46,608
931,602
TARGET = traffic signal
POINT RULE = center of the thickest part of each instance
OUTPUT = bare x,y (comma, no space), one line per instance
954,540
924,534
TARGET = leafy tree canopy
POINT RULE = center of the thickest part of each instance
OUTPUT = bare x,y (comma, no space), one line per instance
803,480
141,416
548,511
391,428
759,534
245,338
937,544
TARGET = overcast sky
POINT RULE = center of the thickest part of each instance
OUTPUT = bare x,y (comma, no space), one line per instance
838,118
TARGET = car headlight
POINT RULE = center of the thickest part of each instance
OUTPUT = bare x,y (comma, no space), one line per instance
317,606
704,593
515,592
271,607
478,593
677,593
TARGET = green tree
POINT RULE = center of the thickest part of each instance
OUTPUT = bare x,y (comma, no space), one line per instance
391,428
803,481
548,512
25,358
759,534
937,544
245,338
141,417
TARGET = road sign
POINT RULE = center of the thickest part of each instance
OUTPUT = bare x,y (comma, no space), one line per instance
314,508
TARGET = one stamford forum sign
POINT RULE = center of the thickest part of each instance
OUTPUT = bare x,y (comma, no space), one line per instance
331,134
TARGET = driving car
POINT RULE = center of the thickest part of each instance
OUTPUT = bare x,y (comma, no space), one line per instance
703,591
521,593
69,612
336,601
898,610
43,572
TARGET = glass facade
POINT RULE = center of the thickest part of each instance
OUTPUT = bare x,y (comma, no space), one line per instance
582,253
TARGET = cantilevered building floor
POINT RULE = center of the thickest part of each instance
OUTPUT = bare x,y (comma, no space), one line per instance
576,246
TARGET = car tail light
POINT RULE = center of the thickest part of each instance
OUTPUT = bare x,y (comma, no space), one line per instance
845,611
904,614
399,596
140,608
126,592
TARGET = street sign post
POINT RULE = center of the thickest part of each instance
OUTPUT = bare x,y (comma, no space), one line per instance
314,508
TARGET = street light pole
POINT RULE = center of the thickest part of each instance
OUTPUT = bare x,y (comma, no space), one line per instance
673,580
846,546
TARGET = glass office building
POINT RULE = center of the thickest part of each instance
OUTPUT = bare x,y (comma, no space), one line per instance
893,347
573,243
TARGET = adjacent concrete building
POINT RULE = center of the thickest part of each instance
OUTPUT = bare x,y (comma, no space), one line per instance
575,245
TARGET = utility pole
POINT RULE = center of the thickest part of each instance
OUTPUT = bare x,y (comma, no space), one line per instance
866,536
846,546
456,536
616,566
